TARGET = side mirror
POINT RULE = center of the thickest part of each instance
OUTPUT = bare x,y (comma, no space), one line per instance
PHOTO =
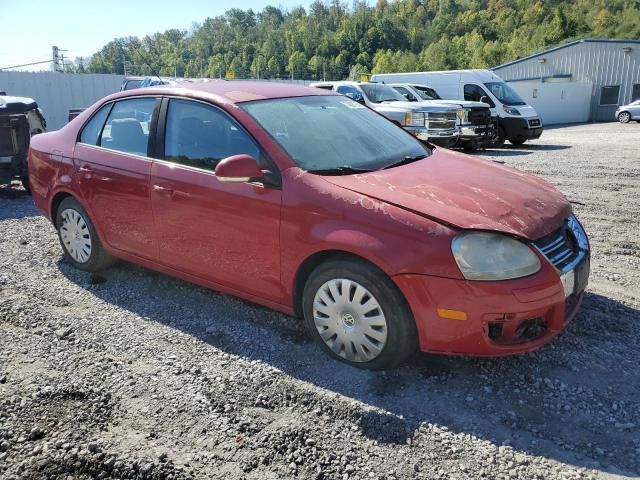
238,168
409,97
485,99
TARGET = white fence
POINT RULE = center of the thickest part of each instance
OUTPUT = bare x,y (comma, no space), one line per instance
56,93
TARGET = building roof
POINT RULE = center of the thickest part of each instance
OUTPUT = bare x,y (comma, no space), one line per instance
566,45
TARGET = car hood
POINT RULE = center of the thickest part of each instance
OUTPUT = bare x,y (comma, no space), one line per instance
468,193
461,103
414,106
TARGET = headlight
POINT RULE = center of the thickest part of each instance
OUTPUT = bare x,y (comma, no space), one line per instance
511,110
414,119
491,256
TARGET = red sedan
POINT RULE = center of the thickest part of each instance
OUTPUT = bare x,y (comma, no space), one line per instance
309,203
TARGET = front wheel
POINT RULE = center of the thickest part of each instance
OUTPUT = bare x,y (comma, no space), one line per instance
517,143
358,316
624,117
499,138
79,238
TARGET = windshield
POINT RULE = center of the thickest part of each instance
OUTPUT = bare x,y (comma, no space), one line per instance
378,92
334,133
426,93
504,93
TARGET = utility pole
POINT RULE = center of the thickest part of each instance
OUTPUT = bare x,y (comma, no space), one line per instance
54,58
324,71
124,65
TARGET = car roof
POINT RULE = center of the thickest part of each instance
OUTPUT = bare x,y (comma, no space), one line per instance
235,91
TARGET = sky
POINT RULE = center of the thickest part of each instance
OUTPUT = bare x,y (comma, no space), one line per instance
30,27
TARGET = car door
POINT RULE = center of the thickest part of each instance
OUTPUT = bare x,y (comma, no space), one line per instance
227,233
112,171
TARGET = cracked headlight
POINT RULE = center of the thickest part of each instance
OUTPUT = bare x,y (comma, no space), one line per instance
492,256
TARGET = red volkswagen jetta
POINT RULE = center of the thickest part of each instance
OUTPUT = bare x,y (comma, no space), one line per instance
311,204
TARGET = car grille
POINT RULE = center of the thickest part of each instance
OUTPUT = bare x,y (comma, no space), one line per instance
442,119
560,247
534,123
479,116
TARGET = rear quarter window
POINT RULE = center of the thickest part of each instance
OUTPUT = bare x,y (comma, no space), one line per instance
91,131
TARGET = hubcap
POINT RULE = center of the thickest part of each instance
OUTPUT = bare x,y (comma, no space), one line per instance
624,117
75,235
350,320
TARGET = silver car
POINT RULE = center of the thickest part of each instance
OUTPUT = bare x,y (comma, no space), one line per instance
626,113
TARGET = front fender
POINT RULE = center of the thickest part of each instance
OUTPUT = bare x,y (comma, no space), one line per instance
318,216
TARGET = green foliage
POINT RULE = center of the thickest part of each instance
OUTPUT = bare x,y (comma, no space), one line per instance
332,40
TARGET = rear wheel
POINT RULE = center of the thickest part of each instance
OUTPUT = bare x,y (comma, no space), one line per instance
624,117
517,142
79,238
358,316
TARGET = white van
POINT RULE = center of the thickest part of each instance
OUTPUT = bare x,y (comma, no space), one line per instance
517,121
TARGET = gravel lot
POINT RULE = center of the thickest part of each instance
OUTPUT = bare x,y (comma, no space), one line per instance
132,374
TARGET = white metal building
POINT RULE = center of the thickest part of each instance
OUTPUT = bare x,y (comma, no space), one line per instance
580,81
56,92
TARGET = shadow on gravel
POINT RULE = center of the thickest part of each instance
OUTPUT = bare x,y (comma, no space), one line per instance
520,150
574,401
18,195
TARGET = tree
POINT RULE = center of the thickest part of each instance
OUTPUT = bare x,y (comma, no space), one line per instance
384,36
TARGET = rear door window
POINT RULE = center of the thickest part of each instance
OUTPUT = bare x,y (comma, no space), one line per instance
127,127
201,135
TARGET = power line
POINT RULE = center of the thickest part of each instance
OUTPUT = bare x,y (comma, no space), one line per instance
25,64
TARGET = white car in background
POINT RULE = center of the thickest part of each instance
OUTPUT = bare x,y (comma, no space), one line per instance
626,113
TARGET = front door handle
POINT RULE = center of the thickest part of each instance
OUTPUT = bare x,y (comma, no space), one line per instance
162,189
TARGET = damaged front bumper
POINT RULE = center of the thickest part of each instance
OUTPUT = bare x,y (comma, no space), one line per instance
444,137
492,318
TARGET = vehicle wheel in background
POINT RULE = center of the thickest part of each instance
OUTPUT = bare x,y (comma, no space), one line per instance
517,142
624,117
25,184
358,316
79,238
499,138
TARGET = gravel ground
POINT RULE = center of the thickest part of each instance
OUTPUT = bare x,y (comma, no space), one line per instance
132,374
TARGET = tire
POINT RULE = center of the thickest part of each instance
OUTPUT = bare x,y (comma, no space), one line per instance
350,322
499,138
517,143
25,184
79,239
624,117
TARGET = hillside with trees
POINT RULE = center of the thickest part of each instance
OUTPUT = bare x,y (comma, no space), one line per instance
333,39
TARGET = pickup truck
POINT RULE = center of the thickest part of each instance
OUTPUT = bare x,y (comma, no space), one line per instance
476,125
437,124
20,119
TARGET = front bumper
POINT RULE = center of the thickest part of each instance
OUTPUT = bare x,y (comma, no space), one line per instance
520,129
440,136
502,317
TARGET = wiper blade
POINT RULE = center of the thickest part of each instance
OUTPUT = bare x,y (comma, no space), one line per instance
341,170
405,160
